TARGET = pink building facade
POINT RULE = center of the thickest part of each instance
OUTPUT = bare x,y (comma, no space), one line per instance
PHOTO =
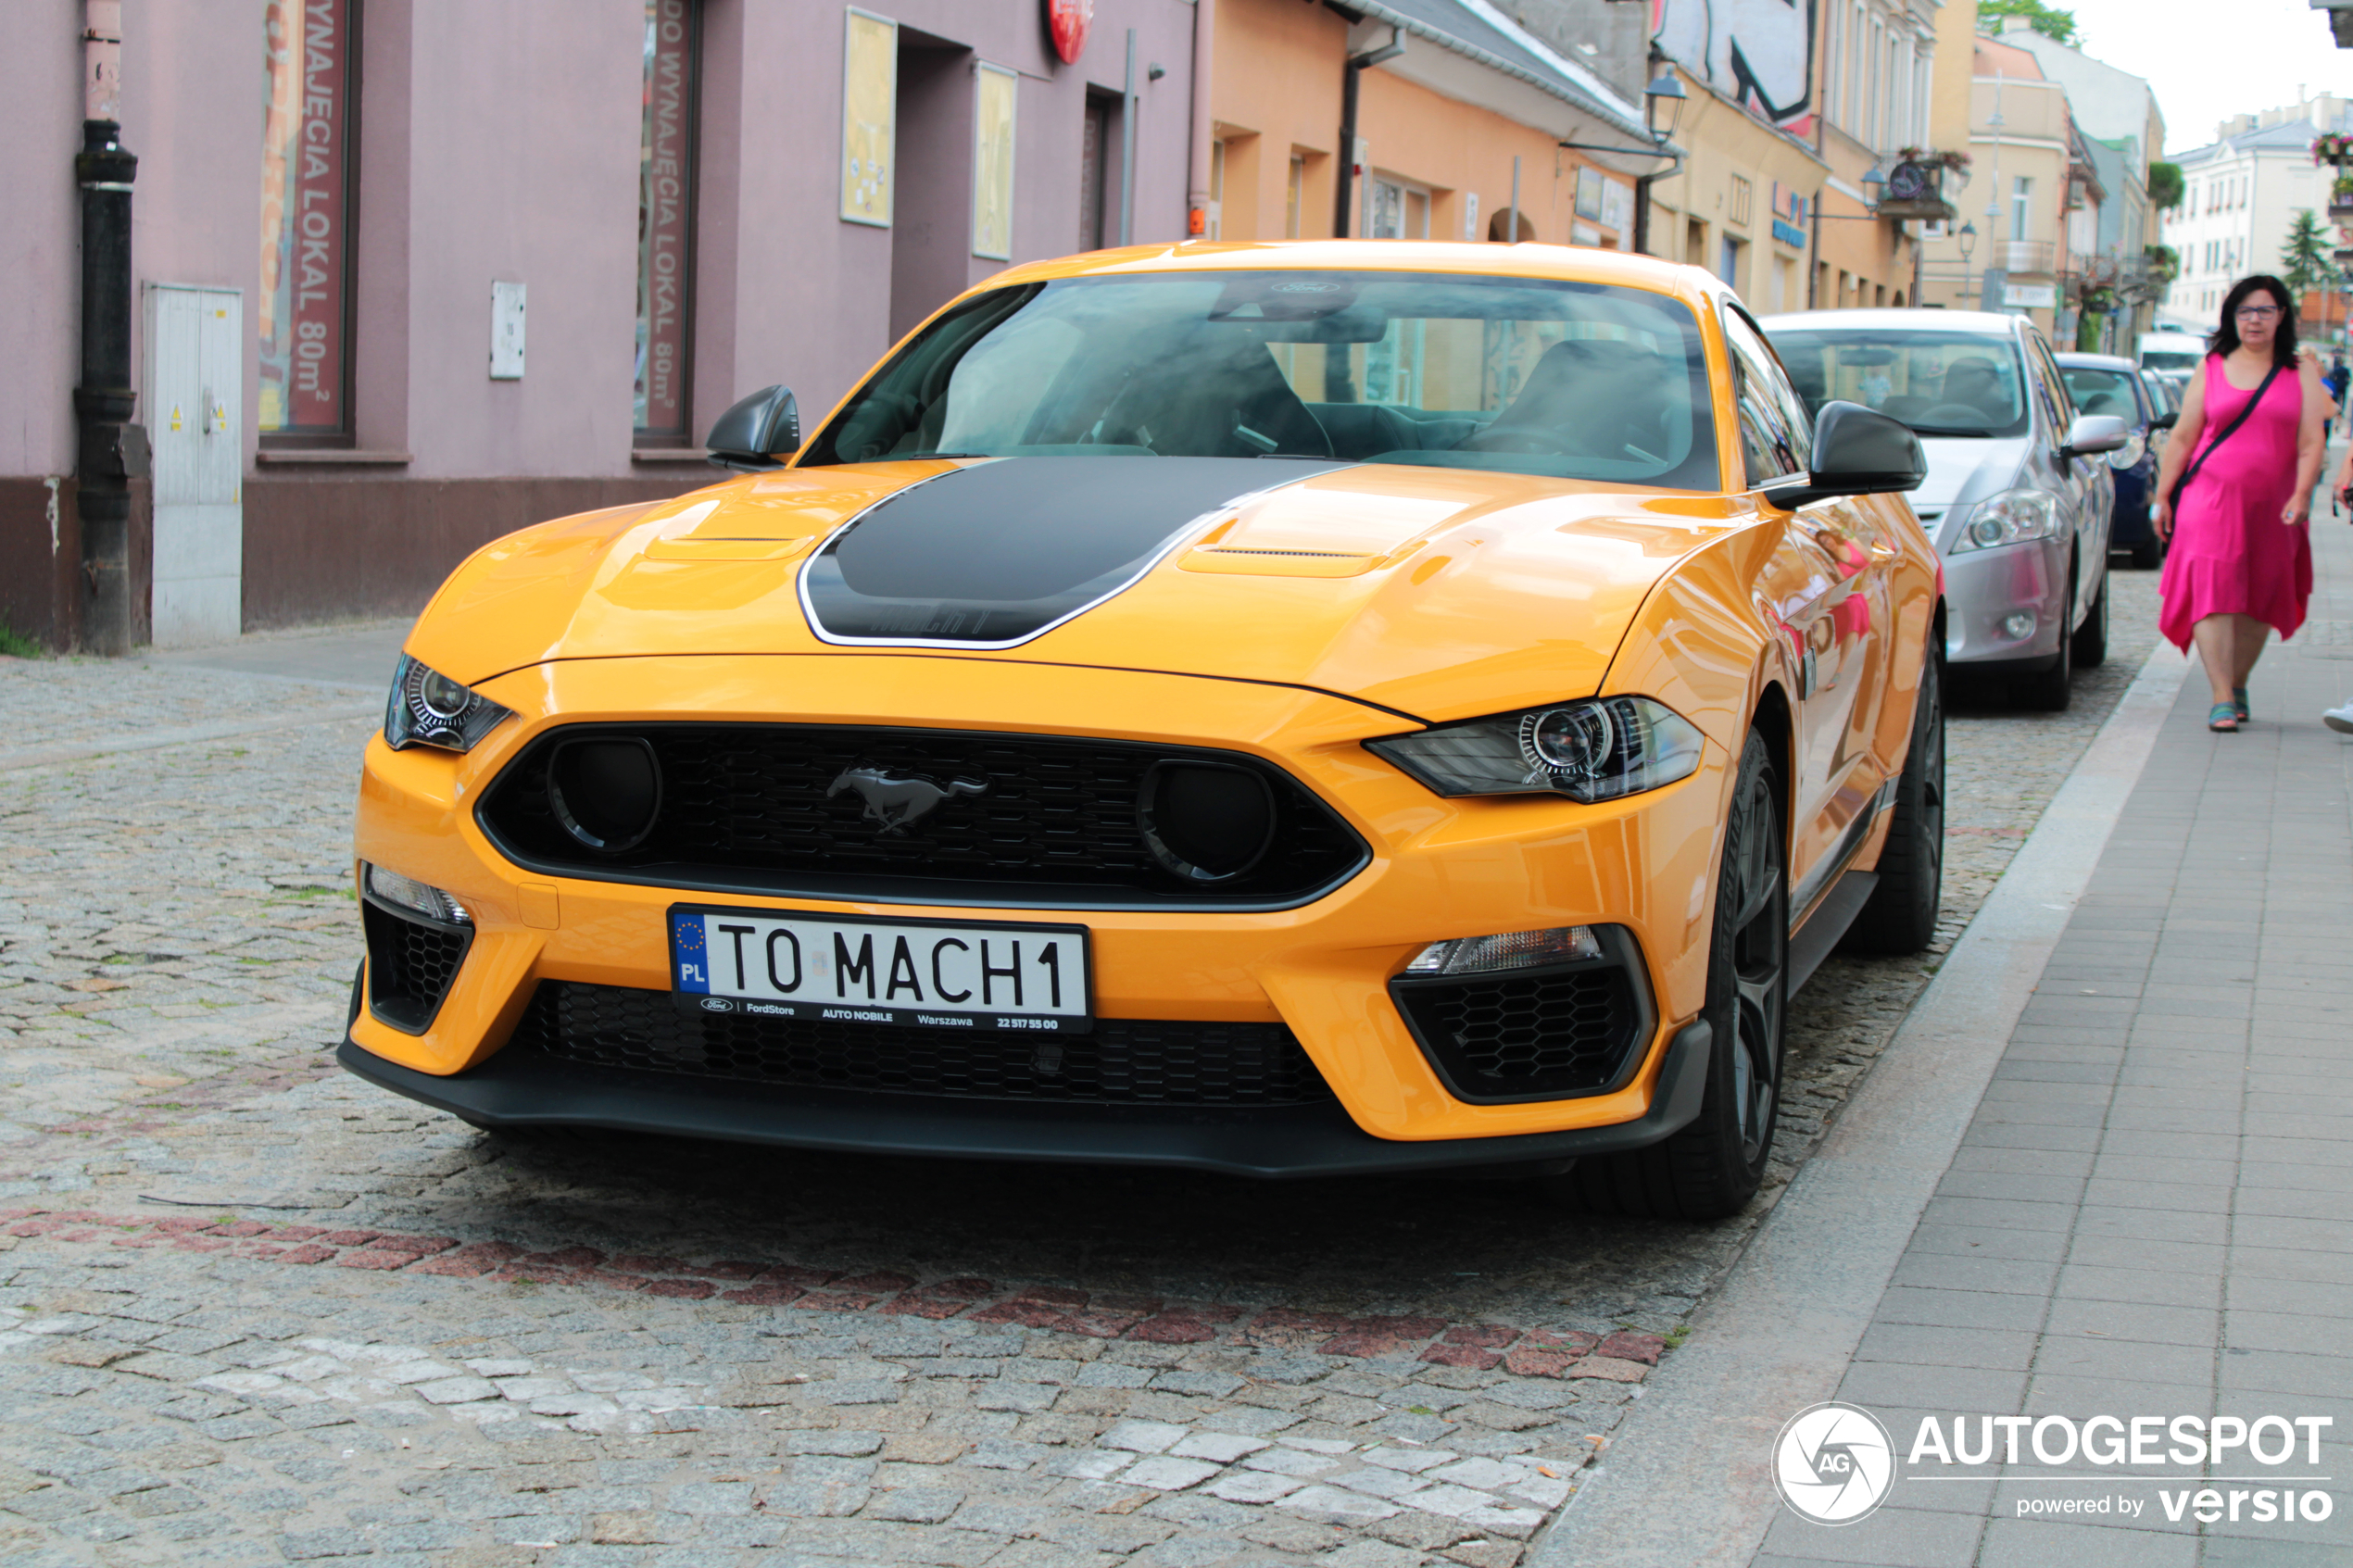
697,198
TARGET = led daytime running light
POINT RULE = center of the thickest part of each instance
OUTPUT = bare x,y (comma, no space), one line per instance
1514,949
422,899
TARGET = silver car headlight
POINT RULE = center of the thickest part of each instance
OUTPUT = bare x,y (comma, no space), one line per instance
2010,517
429,709
1597,749
2135,445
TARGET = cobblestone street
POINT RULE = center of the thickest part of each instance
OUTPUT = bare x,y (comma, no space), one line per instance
253,1310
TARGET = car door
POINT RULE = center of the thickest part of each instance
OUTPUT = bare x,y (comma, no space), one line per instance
2084,480
1829,590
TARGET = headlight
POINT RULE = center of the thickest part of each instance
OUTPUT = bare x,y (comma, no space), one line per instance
429,709
2006,519
1597,749
2135,446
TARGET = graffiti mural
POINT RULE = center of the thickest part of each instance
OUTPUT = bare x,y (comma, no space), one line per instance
1759,52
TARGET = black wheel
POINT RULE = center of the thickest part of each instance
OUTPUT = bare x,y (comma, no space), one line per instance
1901,915
2149,556
2050,691
1712,1168
2091,638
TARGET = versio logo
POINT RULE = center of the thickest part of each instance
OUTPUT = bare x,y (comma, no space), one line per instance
1833,1462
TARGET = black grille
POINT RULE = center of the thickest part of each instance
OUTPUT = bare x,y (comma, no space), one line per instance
745,808
410,964
1549,1033
1125,1061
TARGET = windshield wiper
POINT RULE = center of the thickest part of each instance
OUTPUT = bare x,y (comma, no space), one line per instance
1949,430
910,456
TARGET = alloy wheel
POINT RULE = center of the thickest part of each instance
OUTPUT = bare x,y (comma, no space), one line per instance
1760,959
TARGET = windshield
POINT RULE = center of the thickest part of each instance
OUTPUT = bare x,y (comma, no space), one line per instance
1579,381
1938,383
2168,359
2101,392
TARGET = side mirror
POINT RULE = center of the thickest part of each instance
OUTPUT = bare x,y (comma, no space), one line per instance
757,434
1858,451
2094,433
2165,421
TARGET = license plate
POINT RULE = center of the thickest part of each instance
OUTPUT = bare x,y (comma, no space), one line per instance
826,968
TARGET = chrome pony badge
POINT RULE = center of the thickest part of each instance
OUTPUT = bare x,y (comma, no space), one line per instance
898,803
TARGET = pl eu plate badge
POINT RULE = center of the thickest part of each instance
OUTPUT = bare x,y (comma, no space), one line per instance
1068,21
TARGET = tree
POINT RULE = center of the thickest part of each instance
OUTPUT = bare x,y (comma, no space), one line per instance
2049,21
2306,262
2165,186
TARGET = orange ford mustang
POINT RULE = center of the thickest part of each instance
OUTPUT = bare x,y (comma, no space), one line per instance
1280,708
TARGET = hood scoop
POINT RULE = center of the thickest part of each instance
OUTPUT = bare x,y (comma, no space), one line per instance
991,555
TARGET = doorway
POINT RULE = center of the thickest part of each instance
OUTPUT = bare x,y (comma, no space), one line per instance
195,408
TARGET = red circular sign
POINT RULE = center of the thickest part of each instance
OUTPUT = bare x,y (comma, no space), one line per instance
1068,21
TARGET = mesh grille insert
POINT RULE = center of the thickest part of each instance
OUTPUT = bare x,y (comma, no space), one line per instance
411,965
1048,821
1124,1061
1528,1035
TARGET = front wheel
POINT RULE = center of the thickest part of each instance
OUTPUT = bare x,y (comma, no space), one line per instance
2052,690
2148,555
1713,1167
2091,638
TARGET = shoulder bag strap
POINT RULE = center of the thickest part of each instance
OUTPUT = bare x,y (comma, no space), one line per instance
2228,430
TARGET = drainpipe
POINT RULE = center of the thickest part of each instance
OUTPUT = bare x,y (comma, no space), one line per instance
1127,149
1344,181
1204,127
112,449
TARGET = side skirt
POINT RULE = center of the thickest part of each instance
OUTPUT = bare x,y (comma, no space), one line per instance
1812,942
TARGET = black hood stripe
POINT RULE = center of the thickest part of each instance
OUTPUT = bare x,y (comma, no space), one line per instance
992,556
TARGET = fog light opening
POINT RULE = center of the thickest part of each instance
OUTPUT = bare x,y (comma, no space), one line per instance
407,893
606,793
1514,949
1205,821
2019,627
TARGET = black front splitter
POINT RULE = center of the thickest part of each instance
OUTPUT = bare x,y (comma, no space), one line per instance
525,1089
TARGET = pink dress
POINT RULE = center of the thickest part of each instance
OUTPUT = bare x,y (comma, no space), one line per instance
2230,554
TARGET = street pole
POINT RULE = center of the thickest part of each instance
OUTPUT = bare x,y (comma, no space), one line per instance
112,449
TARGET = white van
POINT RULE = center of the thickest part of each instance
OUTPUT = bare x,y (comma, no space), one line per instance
2171,353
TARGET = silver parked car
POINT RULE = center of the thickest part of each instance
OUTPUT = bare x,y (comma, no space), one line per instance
2018,496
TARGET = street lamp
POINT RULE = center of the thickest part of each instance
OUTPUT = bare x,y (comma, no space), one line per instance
1663,99
1969,248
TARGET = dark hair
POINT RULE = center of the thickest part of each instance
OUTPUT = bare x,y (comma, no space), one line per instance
2226,337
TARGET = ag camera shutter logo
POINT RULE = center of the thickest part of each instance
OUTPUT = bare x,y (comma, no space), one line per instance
1833,1463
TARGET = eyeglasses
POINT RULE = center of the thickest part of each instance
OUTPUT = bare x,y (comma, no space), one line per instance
2257,312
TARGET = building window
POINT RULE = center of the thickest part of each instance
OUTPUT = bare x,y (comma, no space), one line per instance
2021,206
304,321
1743,201
1732,263
665,222
993,145
869,118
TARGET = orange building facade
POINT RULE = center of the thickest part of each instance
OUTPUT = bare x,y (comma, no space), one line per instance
1469,113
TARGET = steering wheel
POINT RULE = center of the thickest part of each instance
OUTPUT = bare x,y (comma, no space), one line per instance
1515,438
1955,413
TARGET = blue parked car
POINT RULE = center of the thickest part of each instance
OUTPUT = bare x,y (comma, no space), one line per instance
2103,383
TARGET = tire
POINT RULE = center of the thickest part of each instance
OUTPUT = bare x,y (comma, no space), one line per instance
1901,915
2149,556
2050,691
1713,1167
2091,638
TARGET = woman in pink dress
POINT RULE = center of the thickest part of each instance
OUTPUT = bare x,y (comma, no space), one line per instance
2240,563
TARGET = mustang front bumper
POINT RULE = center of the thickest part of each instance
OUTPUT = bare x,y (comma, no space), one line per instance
1440,869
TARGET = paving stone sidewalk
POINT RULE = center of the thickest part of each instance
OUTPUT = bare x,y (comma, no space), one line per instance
257,1311
2147,1216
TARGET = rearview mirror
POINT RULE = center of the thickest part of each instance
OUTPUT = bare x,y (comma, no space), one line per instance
2094,433
2165,421
757,433
1858,451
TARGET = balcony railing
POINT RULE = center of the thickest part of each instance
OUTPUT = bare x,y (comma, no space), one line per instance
2024,258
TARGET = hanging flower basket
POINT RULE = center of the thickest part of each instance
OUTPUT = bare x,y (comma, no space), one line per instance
2333,149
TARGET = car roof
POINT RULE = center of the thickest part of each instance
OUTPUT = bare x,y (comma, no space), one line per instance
2096,361
1573,263
1985,323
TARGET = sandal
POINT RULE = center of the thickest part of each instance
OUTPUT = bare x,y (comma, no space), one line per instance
2223,718
2238,700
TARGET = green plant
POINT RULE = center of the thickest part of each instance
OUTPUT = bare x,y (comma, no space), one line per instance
2342,187
2165,186
16,645
2306,260
2049,21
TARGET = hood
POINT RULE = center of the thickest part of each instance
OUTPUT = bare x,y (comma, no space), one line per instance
1440,593
1967,469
